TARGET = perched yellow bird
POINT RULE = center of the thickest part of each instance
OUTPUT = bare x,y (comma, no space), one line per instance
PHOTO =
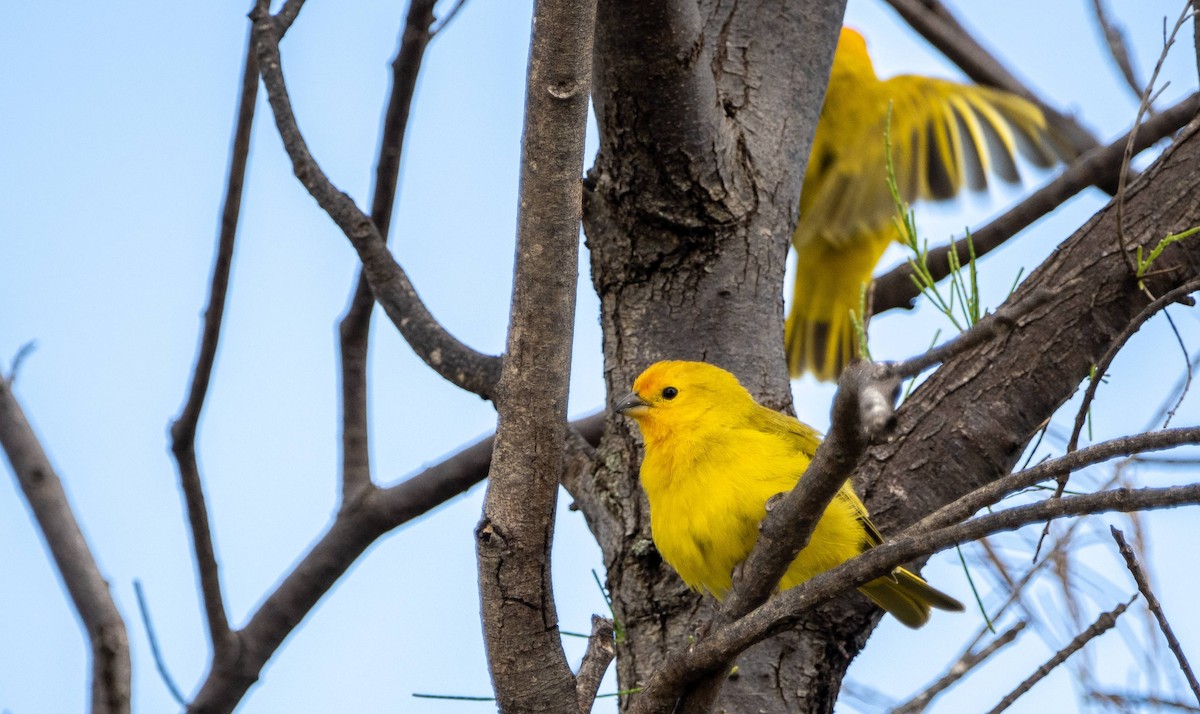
943,134
713,458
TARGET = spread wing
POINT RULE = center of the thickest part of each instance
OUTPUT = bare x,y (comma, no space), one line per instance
944,136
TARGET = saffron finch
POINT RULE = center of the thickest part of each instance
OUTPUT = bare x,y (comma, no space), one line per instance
943,135
713,458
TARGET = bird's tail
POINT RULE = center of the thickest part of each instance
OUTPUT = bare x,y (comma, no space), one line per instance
908,598
819,336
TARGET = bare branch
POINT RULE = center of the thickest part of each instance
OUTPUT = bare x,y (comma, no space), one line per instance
993,492
1114,37
600,652
895,289
355,327
525,656
1179,294
106,634
958,670
287,14
159,663
456,362
357,525
19,358
1143,584
710,653
997,323
1127,701
183,430
579,479
1148,95
446,19
1102,624
790,521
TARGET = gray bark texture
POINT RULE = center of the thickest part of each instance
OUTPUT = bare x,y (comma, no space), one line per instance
706,114
525,655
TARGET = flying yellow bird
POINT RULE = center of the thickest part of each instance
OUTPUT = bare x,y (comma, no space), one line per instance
713,458
943,134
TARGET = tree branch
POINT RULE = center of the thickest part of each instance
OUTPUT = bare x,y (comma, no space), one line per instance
1114,38
993,492
1179,294
525,656
106,634
183,430
600,652
356,526
1102,624
159,663
456,362
1143,583
895,289
710,653
354,329
969,661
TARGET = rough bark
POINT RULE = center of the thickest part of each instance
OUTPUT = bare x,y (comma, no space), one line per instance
688,209
969,422
525,655
706,114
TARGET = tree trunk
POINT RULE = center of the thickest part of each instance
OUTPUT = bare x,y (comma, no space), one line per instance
706,116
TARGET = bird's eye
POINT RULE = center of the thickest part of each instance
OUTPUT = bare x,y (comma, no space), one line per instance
670,393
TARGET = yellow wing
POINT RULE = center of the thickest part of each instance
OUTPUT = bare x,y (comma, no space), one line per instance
944,136
845,530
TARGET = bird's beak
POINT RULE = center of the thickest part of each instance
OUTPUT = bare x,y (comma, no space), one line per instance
632,405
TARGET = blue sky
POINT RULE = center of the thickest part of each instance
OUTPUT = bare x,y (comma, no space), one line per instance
116,120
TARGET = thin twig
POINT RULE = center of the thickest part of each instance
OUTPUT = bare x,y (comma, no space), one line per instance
18,359
709,654
159,663
600,651
1114,37
1179,294
895,289
1102,624
1143,583
999,322
1126,702
355,328
456,362
993,492
446,19
958,670
1148,97
1186,381
85,584
183,430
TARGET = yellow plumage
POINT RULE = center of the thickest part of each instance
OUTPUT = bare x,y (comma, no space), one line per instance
713,458
944,135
